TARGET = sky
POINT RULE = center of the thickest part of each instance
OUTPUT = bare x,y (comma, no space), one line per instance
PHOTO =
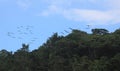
34,21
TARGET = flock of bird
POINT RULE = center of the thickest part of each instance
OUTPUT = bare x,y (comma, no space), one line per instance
24,32
65,31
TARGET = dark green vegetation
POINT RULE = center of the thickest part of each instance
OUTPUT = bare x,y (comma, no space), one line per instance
78,51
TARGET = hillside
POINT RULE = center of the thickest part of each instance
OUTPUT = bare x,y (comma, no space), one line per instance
77,51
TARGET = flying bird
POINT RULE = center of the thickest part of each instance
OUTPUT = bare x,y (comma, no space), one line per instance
66,31
70,28
88,26
62,33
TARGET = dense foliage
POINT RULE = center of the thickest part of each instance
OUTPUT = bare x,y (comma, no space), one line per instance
78,51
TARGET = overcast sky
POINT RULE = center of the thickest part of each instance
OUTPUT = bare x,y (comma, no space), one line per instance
34,21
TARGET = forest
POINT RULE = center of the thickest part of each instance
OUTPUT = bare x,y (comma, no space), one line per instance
77,51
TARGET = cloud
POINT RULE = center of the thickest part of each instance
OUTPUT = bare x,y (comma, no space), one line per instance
94,17
88,15
113,4
51,10
24,4
96,12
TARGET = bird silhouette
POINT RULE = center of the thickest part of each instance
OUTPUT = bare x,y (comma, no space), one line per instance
88,26
70,28
62,33
66,31
24,33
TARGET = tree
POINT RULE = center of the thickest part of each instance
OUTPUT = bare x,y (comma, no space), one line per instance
77,51
5,60
99,65
100,31
114,63
117,31
22,59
